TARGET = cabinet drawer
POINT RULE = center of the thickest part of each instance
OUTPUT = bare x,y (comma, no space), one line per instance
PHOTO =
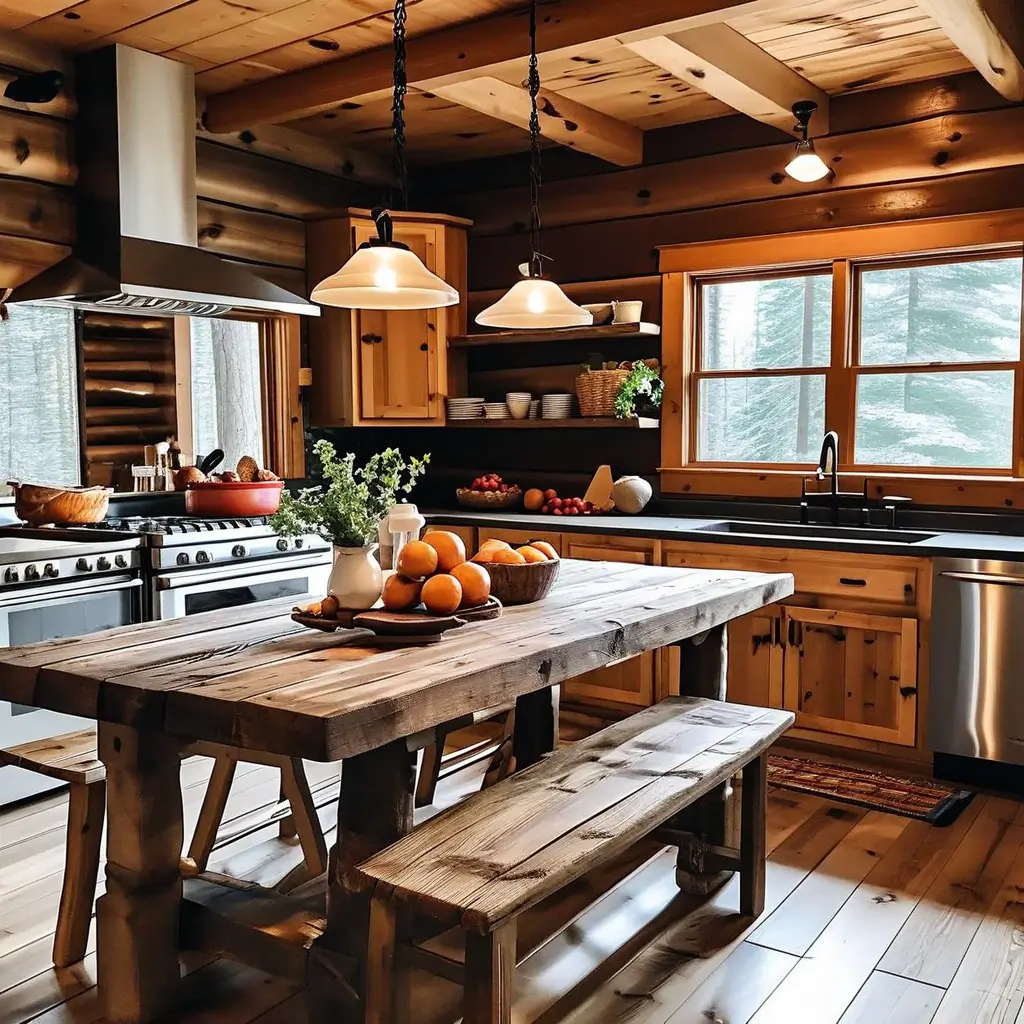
630,681
612,549
858,577
518,537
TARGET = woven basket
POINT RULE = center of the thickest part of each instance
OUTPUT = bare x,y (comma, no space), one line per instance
597,389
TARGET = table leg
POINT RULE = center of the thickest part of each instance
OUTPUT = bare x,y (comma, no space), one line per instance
137,918
536,726
712,820
375,810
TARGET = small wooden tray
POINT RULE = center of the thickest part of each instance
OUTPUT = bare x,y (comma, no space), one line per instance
397,628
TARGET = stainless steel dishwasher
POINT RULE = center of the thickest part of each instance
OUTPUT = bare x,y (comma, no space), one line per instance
977,660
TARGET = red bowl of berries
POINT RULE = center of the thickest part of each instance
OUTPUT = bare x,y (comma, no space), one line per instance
489,492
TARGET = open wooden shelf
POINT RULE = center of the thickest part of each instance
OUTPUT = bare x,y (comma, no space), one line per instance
576,422
606,332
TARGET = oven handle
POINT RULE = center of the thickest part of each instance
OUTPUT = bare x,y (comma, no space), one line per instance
179,581
40,596
984,578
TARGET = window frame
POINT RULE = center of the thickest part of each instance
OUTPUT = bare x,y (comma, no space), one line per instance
848,251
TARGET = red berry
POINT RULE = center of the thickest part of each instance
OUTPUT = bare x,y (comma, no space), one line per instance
558,511
546,508
574,511
557,502
503,488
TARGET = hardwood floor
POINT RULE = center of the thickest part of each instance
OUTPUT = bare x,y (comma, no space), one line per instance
870,919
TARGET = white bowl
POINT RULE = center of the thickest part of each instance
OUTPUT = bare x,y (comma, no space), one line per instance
519,407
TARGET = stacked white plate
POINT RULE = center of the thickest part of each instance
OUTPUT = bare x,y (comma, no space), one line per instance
465,408
495,411
535,409
556,407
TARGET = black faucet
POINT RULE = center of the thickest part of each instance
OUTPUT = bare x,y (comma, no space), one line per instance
830,443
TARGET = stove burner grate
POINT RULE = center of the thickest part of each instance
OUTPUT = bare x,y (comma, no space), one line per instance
171,524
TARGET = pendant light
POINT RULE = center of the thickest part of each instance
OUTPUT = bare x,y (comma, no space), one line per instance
806,166
382,273
535,302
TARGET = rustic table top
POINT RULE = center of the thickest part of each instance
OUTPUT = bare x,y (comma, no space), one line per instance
253,678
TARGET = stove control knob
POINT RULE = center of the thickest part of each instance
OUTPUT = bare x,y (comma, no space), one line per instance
202,557
238,551
31,572
11,576
282,544
83,565
299,542
120,561
182,559
103,563
50,571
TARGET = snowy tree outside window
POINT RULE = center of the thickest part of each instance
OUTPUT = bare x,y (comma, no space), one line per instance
39,432
227,390
930,340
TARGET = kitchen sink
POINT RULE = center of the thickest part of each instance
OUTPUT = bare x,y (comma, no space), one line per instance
797,530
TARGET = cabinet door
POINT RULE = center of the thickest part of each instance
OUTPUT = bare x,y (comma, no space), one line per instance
400,353
852,673
755,659
631,680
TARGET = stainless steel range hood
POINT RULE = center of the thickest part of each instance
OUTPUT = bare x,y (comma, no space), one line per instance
135,144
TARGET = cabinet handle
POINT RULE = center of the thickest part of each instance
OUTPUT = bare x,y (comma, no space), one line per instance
371,339
852,581
778,630
424,347
792,632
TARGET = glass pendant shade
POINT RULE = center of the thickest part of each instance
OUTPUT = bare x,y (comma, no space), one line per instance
534,303
807,165
384,277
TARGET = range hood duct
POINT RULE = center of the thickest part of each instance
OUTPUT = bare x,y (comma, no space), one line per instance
135,143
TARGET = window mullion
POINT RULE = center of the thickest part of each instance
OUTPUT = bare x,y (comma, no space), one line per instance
1017,457
840,389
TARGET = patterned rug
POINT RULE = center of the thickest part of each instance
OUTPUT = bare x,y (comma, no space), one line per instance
924,799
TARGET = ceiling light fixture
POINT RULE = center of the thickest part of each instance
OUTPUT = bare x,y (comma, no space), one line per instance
382,273
806,166
535,302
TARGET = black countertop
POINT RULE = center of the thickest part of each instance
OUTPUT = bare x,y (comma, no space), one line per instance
702,530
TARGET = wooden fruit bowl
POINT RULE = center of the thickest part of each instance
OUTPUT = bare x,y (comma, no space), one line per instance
522,584
40,505
489,500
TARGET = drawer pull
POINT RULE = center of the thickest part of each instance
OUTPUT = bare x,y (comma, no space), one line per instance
852,581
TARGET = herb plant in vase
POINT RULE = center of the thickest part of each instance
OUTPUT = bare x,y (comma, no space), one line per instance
640,393
346,510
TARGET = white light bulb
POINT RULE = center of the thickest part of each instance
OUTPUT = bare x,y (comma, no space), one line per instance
385,279
807,166
535,301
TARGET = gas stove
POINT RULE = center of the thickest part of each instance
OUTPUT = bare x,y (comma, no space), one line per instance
32,558
171,526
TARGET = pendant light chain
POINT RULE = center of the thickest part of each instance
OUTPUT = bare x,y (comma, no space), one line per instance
401,85
536,269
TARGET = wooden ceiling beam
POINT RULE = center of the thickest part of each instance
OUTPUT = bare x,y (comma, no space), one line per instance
462,52
990,34
561,119
725,64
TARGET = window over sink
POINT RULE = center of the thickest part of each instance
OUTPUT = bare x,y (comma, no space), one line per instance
39,429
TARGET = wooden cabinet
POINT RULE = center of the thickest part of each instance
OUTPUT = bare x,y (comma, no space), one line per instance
519,537
631,680
378,367
756,659
852,673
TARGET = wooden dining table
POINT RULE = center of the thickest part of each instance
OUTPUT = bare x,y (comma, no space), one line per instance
252,678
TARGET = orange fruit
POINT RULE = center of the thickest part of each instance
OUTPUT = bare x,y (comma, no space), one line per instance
417,559
503,557
532,554
493,542
449,547
400,594
548,549
533,500
476,584
442,594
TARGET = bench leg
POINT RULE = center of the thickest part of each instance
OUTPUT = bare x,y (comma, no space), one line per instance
490,976
430,769
218,789
500,766
536,726
86,807
295,786
380,963
752,836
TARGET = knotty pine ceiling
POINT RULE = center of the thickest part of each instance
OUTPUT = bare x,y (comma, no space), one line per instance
840,46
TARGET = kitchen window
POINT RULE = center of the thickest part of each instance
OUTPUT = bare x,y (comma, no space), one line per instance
904,338
39,429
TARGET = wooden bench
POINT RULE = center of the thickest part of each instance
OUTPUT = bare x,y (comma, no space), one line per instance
486,861
72,758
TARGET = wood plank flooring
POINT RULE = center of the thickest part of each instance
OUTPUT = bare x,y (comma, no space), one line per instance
870,919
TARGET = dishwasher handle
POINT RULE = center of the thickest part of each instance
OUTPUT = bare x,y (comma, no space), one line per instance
984,578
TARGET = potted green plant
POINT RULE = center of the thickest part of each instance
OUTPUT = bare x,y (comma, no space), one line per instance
640,393
346,511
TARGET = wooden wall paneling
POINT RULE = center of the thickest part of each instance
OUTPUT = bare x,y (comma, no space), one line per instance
96,19
22,258
36,147
225,175
586,249
252,235
934,148
31,209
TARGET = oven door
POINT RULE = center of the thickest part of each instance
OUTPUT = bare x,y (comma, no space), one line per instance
177,594
49,613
